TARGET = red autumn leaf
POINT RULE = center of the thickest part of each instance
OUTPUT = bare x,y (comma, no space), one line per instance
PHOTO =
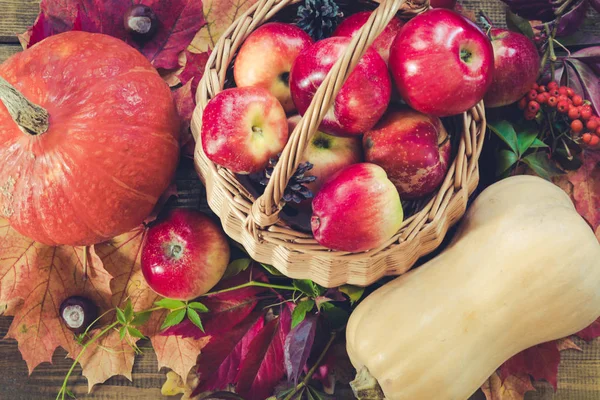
53,275
184,102
541,362
583,185
194,69
226,310
591,332
179,21
298,345
263,366
513,387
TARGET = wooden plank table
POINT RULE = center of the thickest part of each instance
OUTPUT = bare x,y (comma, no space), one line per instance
579,376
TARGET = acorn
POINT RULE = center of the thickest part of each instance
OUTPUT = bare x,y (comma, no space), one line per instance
77,313
141,22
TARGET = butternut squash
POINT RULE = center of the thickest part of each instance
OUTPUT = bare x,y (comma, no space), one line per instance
523,269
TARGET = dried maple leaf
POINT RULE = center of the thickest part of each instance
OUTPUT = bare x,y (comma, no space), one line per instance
591,332
513,387
583,185
541,362
567,344
219,14
55,273
179,21
194,69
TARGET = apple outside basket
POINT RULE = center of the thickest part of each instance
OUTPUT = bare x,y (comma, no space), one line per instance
255,220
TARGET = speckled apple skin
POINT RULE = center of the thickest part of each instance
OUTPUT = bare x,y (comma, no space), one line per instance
364,97
427,68
201,263
406,144
266,55
357,209
350,26
516,67
227,135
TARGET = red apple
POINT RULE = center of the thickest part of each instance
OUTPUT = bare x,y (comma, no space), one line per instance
328,154
357,209
351,25
184,255
412,148
242,128
266,57
442,63
449,4
363,98
517,63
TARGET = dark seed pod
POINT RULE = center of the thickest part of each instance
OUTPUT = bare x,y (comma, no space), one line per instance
78,313
141,22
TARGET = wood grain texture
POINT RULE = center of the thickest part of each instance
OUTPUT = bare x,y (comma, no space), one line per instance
7,50
15,17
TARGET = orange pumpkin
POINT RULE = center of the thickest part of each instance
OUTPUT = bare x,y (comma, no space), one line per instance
88,140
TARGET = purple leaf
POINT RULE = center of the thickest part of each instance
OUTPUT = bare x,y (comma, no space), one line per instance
590,56
589,82
572,20
334,295
298,345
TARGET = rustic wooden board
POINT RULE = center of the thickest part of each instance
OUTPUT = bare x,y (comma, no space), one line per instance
15,17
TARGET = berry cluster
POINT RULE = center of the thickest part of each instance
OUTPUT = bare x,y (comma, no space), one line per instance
584,123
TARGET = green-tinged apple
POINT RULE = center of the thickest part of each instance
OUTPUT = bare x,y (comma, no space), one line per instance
242,128
364,97
516,67
442,63
412,148
357,209
185,254
350,27
328,154
266,57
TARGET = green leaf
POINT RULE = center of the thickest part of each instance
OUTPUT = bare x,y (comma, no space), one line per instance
236,266
506,159
141,318
537,144
121,316
174,318
506,132
541,165
310,395
308,287
525,139
170,304
128,310
300,311
271,269
316,394
122,332
69,393
353,292
518,24
135,333
198,307
337,317
195,318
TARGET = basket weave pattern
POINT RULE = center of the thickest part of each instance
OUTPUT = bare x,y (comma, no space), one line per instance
255,223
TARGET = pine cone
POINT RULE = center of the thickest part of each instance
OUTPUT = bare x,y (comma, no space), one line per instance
319,18
296,191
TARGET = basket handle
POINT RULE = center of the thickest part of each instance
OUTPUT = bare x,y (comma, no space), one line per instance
266,209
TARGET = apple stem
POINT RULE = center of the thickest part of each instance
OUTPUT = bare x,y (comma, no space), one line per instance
175,251
257,130
251,284
31,118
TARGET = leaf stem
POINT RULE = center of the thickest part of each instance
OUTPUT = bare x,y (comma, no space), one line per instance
250,284
63,390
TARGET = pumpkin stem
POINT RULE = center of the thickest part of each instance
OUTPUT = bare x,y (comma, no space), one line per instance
31,118
366,387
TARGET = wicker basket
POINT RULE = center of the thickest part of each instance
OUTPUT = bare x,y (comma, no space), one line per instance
256,223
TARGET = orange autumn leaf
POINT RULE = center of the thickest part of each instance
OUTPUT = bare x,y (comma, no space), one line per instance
513,387
55,273
567,344
219,15
175,352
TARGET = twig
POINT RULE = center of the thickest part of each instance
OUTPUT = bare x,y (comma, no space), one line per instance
250,284
85,263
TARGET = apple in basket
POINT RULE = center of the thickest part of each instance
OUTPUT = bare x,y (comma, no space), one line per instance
364,97
350,27
517,64
357,209
328,154
185,254
413,149
242,128
442,63
266,57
